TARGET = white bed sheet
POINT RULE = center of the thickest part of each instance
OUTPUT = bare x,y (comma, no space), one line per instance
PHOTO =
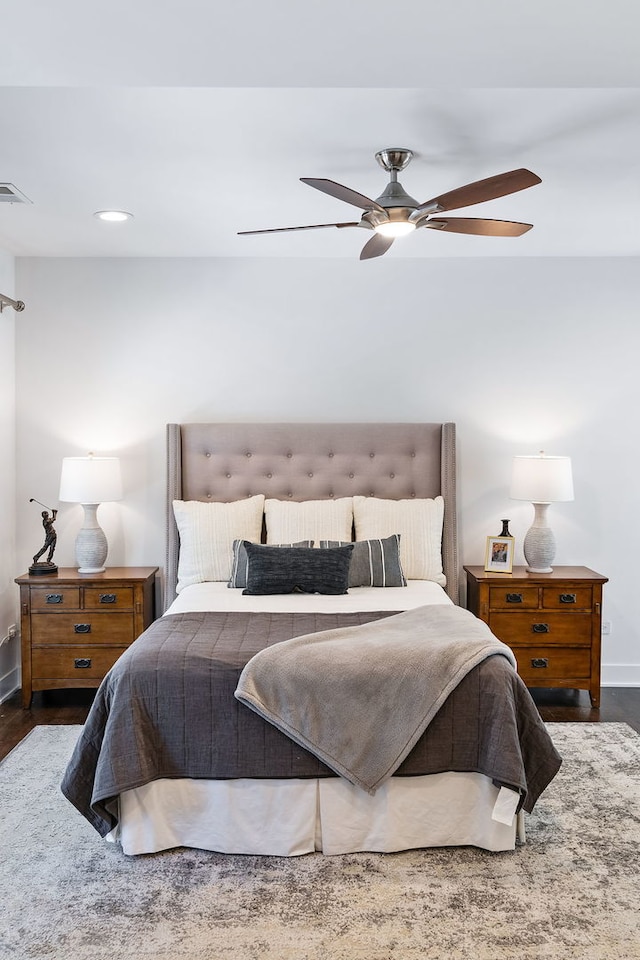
218,596
294,817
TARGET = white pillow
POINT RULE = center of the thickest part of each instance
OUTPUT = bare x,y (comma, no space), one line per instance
419,523
289,521
207,532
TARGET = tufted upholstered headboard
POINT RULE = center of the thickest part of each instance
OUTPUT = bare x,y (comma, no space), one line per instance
312,461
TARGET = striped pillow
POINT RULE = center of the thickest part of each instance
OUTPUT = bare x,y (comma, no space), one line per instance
419,523
240,562
374,563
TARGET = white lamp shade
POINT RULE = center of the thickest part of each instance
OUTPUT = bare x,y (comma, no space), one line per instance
90,480
542,479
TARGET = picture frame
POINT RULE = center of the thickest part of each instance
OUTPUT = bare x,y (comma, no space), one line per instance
499,555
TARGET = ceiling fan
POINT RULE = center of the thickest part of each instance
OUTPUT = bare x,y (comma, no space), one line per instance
395,213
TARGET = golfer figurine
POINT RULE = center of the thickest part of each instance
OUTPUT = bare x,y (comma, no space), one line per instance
50,538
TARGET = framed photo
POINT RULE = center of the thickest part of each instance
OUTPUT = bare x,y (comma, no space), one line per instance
499,555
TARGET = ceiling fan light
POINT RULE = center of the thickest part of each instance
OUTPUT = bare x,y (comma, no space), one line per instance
395,228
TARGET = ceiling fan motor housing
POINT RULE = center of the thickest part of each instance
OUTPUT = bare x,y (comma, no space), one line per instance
394,195
397,203
394,198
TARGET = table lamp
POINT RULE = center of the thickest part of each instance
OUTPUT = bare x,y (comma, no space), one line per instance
542,480
91,481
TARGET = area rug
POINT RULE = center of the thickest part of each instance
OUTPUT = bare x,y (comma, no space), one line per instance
573,890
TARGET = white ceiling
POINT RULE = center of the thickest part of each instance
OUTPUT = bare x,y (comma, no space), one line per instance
200,118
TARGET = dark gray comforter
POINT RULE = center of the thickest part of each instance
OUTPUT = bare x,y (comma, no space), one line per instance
167,709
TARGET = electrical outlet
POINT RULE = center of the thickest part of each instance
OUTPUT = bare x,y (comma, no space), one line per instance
12,632
606,628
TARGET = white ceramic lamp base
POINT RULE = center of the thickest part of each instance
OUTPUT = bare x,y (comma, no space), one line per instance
91,542
540,543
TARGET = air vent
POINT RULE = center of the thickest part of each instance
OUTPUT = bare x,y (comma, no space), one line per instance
11,194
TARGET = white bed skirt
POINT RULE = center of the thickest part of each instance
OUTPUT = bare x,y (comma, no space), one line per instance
287,818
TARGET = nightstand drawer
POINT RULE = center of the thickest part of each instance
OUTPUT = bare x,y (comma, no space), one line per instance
539,665
513,598
74,663
569,598
82,627
119,598
542,627
54,598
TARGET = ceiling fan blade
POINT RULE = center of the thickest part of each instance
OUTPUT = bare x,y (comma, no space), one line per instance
312,226
481,190
480,228
375,247
343,193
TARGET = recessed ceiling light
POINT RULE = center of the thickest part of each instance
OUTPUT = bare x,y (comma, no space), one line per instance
113,216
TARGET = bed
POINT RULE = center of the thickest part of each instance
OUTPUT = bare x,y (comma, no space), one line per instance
180,750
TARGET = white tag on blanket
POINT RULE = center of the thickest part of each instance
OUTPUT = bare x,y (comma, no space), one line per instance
504,809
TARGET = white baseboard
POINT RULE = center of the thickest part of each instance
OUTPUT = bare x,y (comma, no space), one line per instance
620,675
9,684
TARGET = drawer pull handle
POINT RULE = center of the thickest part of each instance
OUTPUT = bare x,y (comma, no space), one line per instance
514,598
107,598
567,598
54,598
82,663
540,627
82,628
540,662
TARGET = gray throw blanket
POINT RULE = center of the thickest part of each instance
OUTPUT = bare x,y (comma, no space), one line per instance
360,697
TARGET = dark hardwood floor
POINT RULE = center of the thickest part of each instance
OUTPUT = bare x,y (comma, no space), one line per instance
47,706
620,704
617,704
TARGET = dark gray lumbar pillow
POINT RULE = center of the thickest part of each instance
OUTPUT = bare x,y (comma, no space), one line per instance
296,569
374,563
240,561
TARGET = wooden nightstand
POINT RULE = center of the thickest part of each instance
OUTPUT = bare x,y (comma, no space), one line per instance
75,626
552,622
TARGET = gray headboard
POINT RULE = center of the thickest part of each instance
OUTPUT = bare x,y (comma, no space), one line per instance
312,461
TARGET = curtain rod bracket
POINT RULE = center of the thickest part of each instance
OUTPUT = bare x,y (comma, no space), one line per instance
8,302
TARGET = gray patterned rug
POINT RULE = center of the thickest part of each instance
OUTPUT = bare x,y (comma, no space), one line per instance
572,891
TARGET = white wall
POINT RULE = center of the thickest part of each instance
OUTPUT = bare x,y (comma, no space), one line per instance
10,651
523,354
